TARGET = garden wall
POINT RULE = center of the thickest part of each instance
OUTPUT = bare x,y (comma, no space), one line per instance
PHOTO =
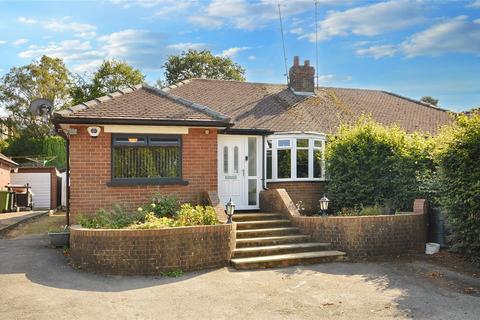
309,192
361,235
151,252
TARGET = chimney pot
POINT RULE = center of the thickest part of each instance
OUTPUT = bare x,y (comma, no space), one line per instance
302,77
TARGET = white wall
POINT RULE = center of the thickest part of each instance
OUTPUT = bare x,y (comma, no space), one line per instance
41,188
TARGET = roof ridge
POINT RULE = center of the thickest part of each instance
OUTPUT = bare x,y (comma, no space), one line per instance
188,103
96,101
416,101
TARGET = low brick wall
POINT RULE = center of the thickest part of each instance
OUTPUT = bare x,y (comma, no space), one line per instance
357,236
309,192
150,252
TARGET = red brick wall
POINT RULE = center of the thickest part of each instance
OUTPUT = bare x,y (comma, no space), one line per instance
90,171
309,192
53,182
150,252
4,175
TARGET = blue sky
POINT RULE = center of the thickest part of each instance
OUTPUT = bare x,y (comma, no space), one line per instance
413,48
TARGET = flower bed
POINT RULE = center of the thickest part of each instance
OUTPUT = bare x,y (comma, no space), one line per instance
151,252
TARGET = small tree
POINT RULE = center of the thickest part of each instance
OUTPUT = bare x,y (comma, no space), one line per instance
371,164
429,100
201,64
458,156
110,76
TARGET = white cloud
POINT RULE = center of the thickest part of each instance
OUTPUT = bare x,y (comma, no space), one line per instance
329,78
68,50
141,48
378,52
90,66
2,42
184,46
456,35
474,4
82,30
370,20
252,57
298,30
232,52
25,20
20,41
249,15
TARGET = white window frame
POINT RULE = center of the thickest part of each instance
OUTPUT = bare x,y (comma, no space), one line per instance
292,137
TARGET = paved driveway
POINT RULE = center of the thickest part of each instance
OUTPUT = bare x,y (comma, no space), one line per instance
36,283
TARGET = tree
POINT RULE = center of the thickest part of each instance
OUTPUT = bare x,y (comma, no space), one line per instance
110,76
201,64
429,100
46,78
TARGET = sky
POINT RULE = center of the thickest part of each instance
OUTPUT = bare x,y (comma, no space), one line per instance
412,48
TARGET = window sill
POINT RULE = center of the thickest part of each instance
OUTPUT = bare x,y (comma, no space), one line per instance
138,182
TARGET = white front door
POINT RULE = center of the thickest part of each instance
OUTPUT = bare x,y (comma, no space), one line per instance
236,180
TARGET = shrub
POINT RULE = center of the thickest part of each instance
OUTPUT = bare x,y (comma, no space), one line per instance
152,222
458,158
362,211
117,218
189,215
370,164
162,205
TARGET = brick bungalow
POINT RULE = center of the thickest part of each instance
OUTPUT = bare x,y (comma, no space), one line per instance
232,137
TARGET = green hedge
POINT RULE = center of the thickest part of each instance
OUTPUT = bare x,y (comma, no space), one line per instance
458,158
371,164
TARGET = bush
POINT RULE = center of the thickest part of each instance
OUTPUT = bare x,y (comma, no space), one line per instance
370,164
362,211
162,205
153,222
117,218
189,215
458,158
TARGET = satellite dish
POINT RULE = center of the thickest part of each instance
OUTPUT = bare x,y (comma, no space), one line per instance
41,107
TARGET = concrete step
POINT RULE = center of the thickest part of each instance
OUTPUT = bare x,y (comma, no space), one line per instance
267,241
266,232
240,217
289,259
279,249
260,224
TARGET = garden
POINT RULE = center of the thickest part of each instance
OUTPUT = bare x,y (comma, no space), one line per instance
375,170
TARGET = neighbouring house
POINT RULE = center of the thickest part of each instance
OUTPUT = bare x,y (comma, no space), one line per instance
7,165
235,138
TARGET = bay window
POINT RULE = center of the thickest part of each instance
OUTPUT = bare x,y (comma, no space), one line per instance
296,157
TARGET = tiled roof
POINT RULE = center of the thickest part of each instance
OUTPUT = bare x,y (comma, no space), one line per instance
140,103
276,108
7,160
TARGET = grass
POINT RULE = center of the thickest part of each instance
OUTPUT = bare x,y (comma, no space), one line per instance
40,225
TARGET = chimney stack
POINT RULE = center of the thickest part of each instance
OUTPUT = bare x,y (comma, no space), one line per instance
302,78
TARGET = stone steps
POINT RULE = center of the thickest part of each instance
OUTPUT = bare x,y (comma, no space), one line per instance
266,232
267,241
259,224
285,260
242,217
279,249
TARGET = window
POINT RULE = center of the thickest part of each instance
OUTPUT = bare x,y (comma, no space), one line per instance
146,158
295,157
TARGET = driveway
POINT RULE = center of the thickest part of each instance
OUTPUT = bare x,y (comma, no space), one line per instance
36,283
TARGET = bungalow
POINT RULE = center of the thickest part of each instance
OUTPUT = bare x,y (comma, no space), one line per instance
235,138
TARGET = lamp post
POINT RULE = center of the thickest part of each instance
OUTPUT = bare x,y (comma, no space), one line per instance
230,210
323,204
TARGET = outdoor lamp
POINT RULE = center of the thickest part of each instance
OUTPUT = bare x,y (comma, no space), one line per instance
230,210
323,204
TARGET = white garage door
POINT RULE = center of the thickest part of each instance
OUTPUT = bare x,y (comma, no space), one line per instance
40,183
